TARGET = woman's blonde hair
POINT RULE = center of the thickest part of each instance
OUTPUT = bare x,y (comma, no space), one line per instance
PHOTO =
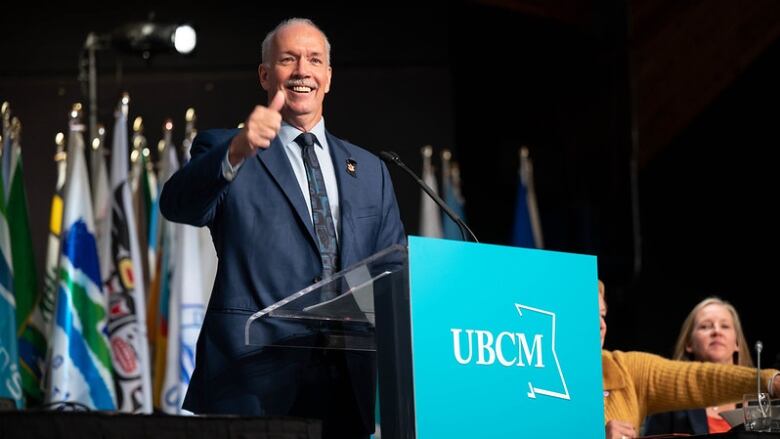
741,357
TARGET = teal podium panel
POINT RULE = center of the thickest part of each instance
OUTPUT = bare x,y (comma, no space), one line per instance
505,341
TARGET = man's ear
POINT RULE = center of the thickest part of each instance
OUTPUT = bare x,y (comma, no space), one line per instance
262,73
330,75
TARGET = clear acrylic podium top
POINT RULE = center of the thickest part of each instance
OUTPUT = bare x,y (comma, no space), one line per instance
335,313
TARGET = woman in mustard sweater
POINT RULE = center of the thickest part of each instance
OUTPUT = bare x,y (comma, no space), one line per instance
712,332
637,384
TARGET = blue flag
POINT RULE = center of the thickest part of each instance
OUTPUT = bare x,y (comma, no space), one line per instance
430,215
452,196
527,229
10,378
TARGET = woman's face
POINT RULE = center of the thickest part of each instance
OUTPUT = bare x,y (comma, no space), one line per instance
603,318
714,337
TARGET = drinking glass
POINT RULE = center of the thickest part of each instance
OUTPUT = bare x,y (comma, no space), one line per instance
758,411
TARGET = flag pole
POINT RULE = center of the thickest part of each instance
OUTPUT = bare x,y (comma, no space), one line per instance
527,176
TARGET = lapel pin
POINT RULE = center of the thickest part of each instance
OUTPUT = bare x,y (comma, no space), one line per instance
352,167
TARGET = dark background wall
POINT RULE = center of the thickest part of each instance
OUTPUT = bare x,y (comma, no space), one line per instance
651,128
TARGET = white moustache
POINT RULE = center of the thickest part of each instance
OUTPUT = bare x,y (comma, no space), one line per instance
300,83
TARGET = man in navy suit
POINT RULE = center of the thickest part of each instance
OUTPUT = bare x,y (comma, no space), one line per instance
255,191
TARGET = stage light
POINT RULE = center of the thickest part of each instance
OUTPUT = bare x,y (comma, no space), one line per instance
185,39
148,38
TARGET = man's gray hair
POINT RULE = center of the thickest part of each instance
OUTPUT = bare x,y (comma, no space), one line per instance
266,47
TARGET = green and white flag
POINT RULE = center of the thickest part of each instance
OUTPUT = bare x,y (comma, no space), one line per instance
29,316
80,358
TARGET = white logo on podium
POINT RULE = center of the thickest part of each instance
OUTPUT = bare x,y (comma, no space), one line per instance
532,390
491,348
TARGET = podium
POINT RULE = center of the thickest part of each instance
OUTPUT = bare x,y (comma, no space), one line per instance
472,340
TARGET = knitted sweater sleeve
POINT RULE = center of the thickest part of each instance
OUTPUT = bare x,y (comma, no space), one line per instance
667,385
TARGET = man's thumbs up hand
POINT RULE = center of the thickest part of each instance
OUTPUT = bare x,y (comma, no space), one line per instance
259,130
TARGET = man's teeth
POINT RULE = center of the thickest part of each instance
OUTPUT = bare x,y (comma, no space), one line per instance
301,89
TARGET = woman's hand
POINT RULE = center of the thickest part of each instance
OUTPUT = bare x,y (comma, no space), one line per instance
620,430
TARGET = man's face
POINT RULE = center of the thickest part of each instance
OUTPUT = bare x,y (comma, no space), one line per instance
298,64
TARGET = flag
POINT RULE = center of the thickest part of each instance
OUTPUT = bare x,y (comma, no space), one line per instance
50,274
101,198
159,238
31,328
80,358
139,199
151,196
430,213
527,229
192,275
127,303
452,196
6,158
186,308
150,202
162,326
195,300
10,378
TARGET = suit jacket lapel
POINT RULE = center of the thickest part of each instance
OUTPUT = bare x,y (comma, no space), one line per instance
276,162
348,190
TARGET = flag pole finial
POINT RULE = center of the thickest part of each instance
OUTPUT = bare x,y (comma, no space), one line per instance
124,103
139,140
97,142
6,111
60,155
167,135
16,128
138,124
76,113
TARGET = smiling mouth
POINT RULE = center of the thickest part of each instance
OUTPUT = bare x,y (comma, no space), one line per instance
300,88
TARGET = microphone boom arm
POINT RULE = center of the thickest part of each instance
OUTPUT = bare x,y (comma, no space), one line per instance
391,157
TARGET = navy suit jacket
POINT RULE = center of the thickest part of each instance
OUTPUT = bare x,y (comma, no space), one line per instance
265,242
692,421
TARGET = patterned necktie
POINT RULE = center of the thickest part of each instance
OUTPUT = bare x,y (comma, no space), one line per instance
320,209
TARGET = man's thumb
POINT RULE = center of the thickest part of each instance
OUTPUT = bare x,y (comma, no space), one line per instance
277,102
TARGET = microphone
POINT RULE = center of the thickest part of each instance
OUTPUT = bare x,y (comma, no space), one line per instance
759,348
763,403
391,157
